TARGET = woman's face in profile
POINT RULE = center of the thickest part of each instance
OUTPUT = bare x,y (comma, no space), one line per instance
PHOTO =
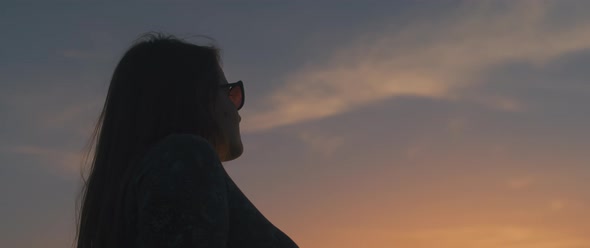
230,144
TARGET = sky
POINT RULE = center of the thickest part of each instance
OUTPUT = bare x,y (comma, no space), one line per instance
407,124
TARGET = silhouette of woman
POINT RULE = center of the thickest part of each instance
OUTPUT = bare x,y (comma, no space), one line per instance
170,118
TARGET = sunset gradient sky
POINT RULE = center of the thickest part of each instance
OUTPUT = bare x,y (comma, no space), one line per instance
377,124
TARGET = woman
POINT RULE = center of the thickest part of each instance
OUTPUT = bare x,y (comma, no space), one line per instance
170,118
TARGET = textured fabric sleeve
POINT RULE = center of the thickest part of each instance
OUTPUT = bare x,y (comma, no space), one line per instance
182,200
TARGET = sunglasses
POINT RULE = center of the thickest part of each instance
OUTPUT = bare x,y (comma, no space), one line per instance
236,93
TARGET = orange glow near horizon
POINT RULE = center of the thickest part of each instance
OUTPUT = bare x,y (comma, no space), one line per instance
477,209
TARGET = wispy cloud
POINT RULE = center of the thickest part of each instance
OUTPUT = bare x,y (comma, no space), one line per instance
433,58
55,107
70,113
67,161
557,204
520,182
320,143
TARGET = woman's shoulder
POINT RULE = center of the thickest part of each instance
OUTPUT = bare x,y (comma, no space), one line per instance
183,150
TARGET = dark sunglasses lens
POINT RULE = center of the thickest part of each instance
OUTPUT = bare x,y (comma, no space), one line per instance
236,96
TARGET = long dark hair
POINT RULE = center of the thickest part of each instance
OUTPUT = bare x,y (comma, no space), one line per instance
161,85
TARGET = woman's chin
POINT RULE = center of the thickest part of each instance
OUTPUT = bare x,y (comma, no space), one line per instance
234,151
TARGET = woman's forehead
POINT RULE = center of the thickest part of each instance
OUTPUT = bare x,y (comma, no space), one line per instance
222,79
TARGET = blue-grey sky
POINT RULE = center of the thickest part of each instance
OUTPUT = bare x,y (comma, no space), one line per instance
367,123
